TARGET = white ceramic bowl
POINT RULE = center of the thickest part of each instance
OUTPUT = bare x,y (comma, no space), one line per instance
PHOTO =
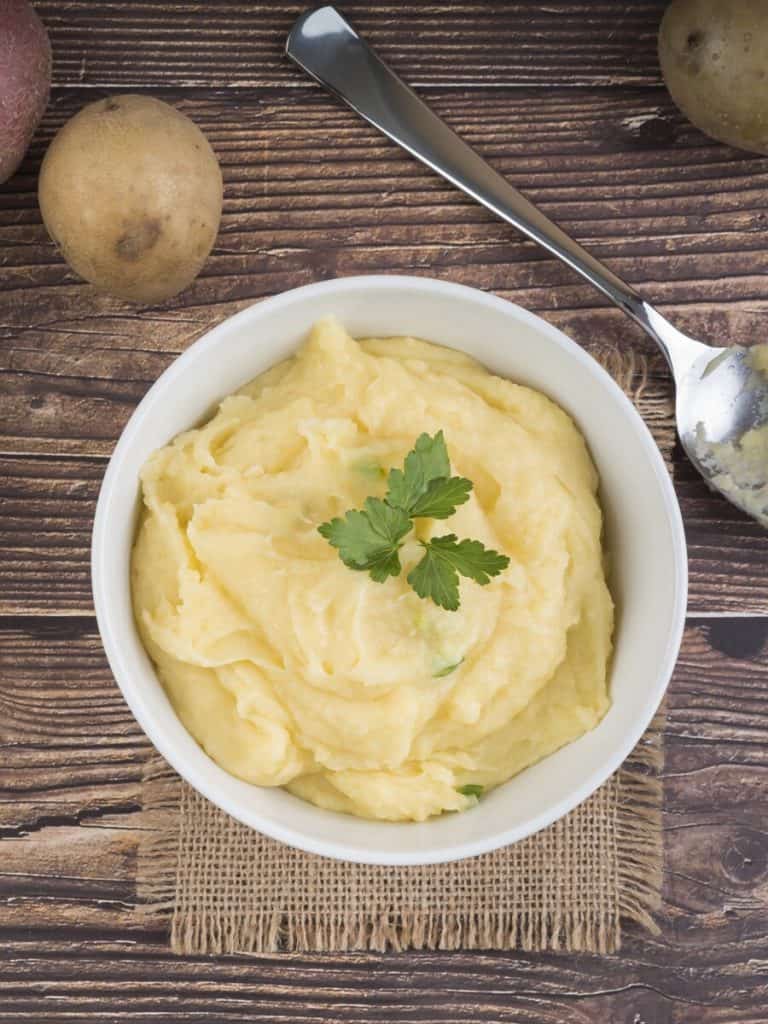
644,531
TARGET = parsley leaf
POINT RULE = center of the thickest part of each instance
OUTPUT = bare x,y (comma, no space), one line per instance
471,789
383,565
441,497
369,539
427,461
437,574
432,578
469,557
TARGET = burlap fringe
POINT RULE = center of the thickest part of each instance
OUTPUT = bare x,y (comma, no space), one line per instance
256,933
628,368
157,867
639,858
639,829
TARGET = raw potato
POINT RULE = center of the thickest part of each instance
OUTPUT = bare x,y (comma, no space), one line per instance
25,80
130,191
714,57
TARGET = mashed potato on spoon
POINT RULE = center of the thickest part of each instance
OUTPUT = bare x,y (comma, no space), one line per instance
289,668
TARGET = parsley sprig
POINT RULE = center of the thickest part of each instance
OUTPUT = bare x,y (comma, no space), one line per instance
369,539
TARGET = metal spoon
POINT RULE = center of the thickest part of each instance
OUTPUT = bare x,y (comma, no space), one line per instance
722,393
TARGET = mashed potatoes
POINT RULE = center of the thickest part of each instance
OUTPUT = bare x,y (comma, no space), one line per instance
291,669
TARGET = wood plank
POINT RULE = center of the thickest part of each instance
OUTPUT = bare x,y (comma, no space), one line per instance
428,989
46,516
236,44
311,193
47,506
77,950
679,216
66,732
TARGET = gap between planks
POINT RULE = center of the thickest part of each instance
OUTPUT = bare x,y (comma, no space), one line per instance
8,617
302,82
692,616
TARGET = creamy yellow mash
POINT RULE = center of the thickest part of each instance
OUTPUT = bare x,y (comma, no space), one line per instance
291,669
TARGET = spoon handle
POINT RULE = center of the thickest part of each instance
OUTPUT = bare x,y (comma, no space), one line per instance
328,48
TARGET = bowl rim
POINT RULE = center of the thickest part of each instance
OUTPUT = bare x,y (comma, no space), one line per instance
192,771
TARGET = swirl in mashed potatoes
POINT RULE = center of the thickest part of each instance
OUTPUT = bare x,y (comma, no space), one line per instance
292,670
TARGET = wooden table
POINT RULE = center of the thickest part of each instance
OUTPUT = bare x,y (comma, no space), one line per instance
565,98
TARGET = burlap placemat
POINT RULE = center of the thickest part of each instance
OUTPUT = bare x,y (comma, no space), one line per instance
223,888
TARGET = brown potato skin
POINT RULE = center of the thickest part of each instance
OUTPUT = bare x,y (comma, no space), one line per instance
714,58
25,80
131,192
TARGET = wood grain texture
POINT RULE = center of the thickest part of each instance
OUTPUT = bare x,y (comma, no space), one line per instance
47,505
565,98
68,848
310,193
236,45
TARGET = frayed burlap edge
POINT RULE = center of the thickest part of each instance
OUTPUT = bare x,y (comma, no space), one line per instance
158,856
638,855
639,837
638,852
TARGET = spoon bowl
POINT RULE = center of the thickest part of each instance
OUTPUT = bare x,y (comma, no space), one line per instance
722,419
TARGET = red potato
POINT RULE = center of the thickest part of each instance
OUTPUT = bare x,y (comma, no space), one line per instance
25,80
